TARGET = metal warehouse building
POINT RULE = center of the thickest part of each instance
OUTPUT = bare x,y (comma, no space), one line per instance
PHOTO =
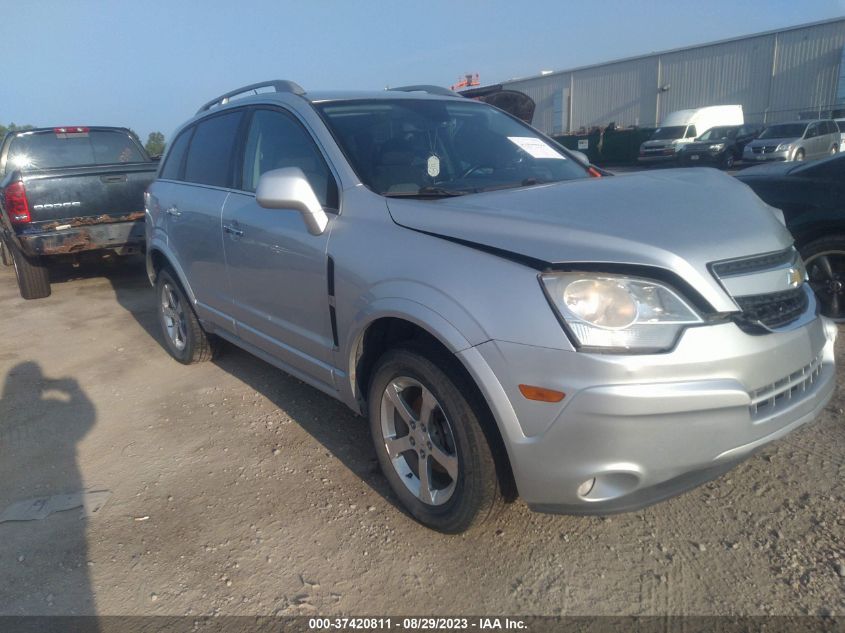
778,75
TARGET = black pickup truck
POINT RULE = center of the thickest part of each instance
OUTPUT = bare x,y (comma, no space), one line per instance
66,191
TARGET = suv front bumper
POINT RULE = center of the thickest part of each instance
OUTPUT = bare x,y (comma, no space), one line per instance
642,428
752,157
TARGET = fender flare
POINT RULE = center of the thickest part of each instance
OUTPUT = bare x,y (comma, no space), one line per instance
162,248
397,308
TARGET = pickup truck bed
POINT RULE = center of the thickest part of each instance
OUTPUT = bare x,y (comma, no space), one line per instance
52,206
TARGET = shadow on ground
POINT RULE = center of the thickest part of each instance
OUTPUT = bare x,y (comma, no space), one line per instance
41,422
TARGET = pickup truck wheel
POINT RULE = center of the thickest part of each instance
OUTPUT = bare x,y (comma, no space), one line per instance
430,442
31,273
184,337
5,256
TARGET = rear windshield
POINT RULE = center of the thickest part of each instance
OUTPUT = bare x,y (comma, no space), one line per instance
666,133
48,150
784,130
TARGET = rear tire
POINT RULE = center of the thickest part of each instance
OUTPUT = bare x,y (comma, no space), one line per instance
31,273
459,487
184,337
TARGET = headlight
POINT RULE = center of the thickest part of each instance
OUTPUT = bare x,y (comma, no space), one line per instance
718,147
618,312
783,147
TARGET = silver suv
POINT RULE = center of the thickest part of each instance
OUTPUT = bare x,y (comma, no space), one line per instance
800,140
510,321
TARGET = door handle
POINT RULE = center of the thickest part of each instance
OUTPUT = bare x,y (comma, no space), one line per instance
231,230
173,211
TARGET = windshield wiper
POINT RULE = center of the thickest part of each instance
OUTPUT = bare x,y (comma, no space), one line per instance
528,182
429,192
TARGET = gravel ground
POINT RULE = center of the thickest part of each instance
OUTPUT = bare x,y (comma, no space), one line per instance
237,489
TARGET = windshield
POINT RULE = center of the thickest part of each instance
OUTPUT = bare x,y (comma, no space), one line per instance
432,148
718,133
784,130
48,150
664,133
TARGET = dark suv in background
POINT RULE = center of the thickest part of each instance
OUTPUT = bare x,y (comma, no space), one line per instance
719,146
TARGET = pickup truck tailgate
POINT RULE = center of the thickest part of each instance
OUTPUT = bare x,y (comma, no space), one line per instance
87,195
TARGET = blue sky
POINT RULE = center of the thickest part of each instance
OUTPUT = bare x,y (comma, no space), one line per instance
149,64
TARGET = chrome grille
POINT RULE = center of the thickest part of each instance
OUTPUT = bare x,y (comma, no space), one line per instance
775,309
754,264
767,400
769,289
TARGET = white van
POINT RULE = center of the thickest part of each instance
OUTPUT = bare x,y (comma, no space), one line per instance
684,126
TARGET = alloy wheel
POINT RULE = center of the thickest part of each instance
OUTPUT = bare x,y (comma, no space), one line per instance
419,440
826,272
173,314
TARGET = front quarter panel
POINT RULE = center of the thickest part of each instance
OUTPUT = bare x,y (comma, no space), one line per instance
460,295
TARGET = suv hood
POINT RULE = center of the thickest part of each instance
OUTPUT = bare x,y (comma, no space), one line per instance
679,220
772,141
667,142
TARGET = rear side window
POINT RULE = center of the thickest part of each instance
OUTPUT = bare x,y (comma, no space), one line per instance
276,140
172,169
53,149
210,153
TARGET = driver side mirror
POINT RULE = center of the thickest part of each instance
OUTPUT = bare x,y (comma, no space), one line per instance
288,188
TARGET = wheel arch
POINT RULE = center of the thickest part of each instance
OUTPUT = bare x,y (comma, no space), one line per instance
158,258
389,331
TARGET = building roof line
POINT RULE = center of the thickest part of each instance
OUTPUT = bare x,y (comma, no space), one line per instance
677,50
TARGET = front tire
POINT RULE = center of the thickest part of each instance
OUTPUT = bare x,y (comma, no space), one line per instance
430,441
31,272
728,161
184,337
799,155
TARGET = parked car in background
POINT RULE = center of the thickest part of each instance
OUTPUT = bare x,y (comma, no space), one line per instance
66,191
683,127
798,140
840,123
508,320
812,198
719,146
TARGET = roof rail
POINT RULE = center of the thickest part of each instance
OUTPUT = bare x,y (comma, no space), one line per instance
432,90
279,85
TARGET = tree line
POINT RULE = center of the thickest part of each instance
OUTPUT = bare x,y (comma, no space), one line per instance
155,141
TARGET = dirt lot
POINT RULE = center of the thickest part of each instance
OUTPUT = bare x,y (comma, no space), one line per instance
236,489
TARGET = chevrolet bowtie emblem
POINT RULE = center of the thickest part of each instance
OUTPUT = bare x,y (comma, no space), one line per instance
795,277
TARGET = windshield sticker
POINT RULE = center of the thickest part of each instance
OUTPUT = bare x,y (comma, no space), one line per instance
536,148
433,166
